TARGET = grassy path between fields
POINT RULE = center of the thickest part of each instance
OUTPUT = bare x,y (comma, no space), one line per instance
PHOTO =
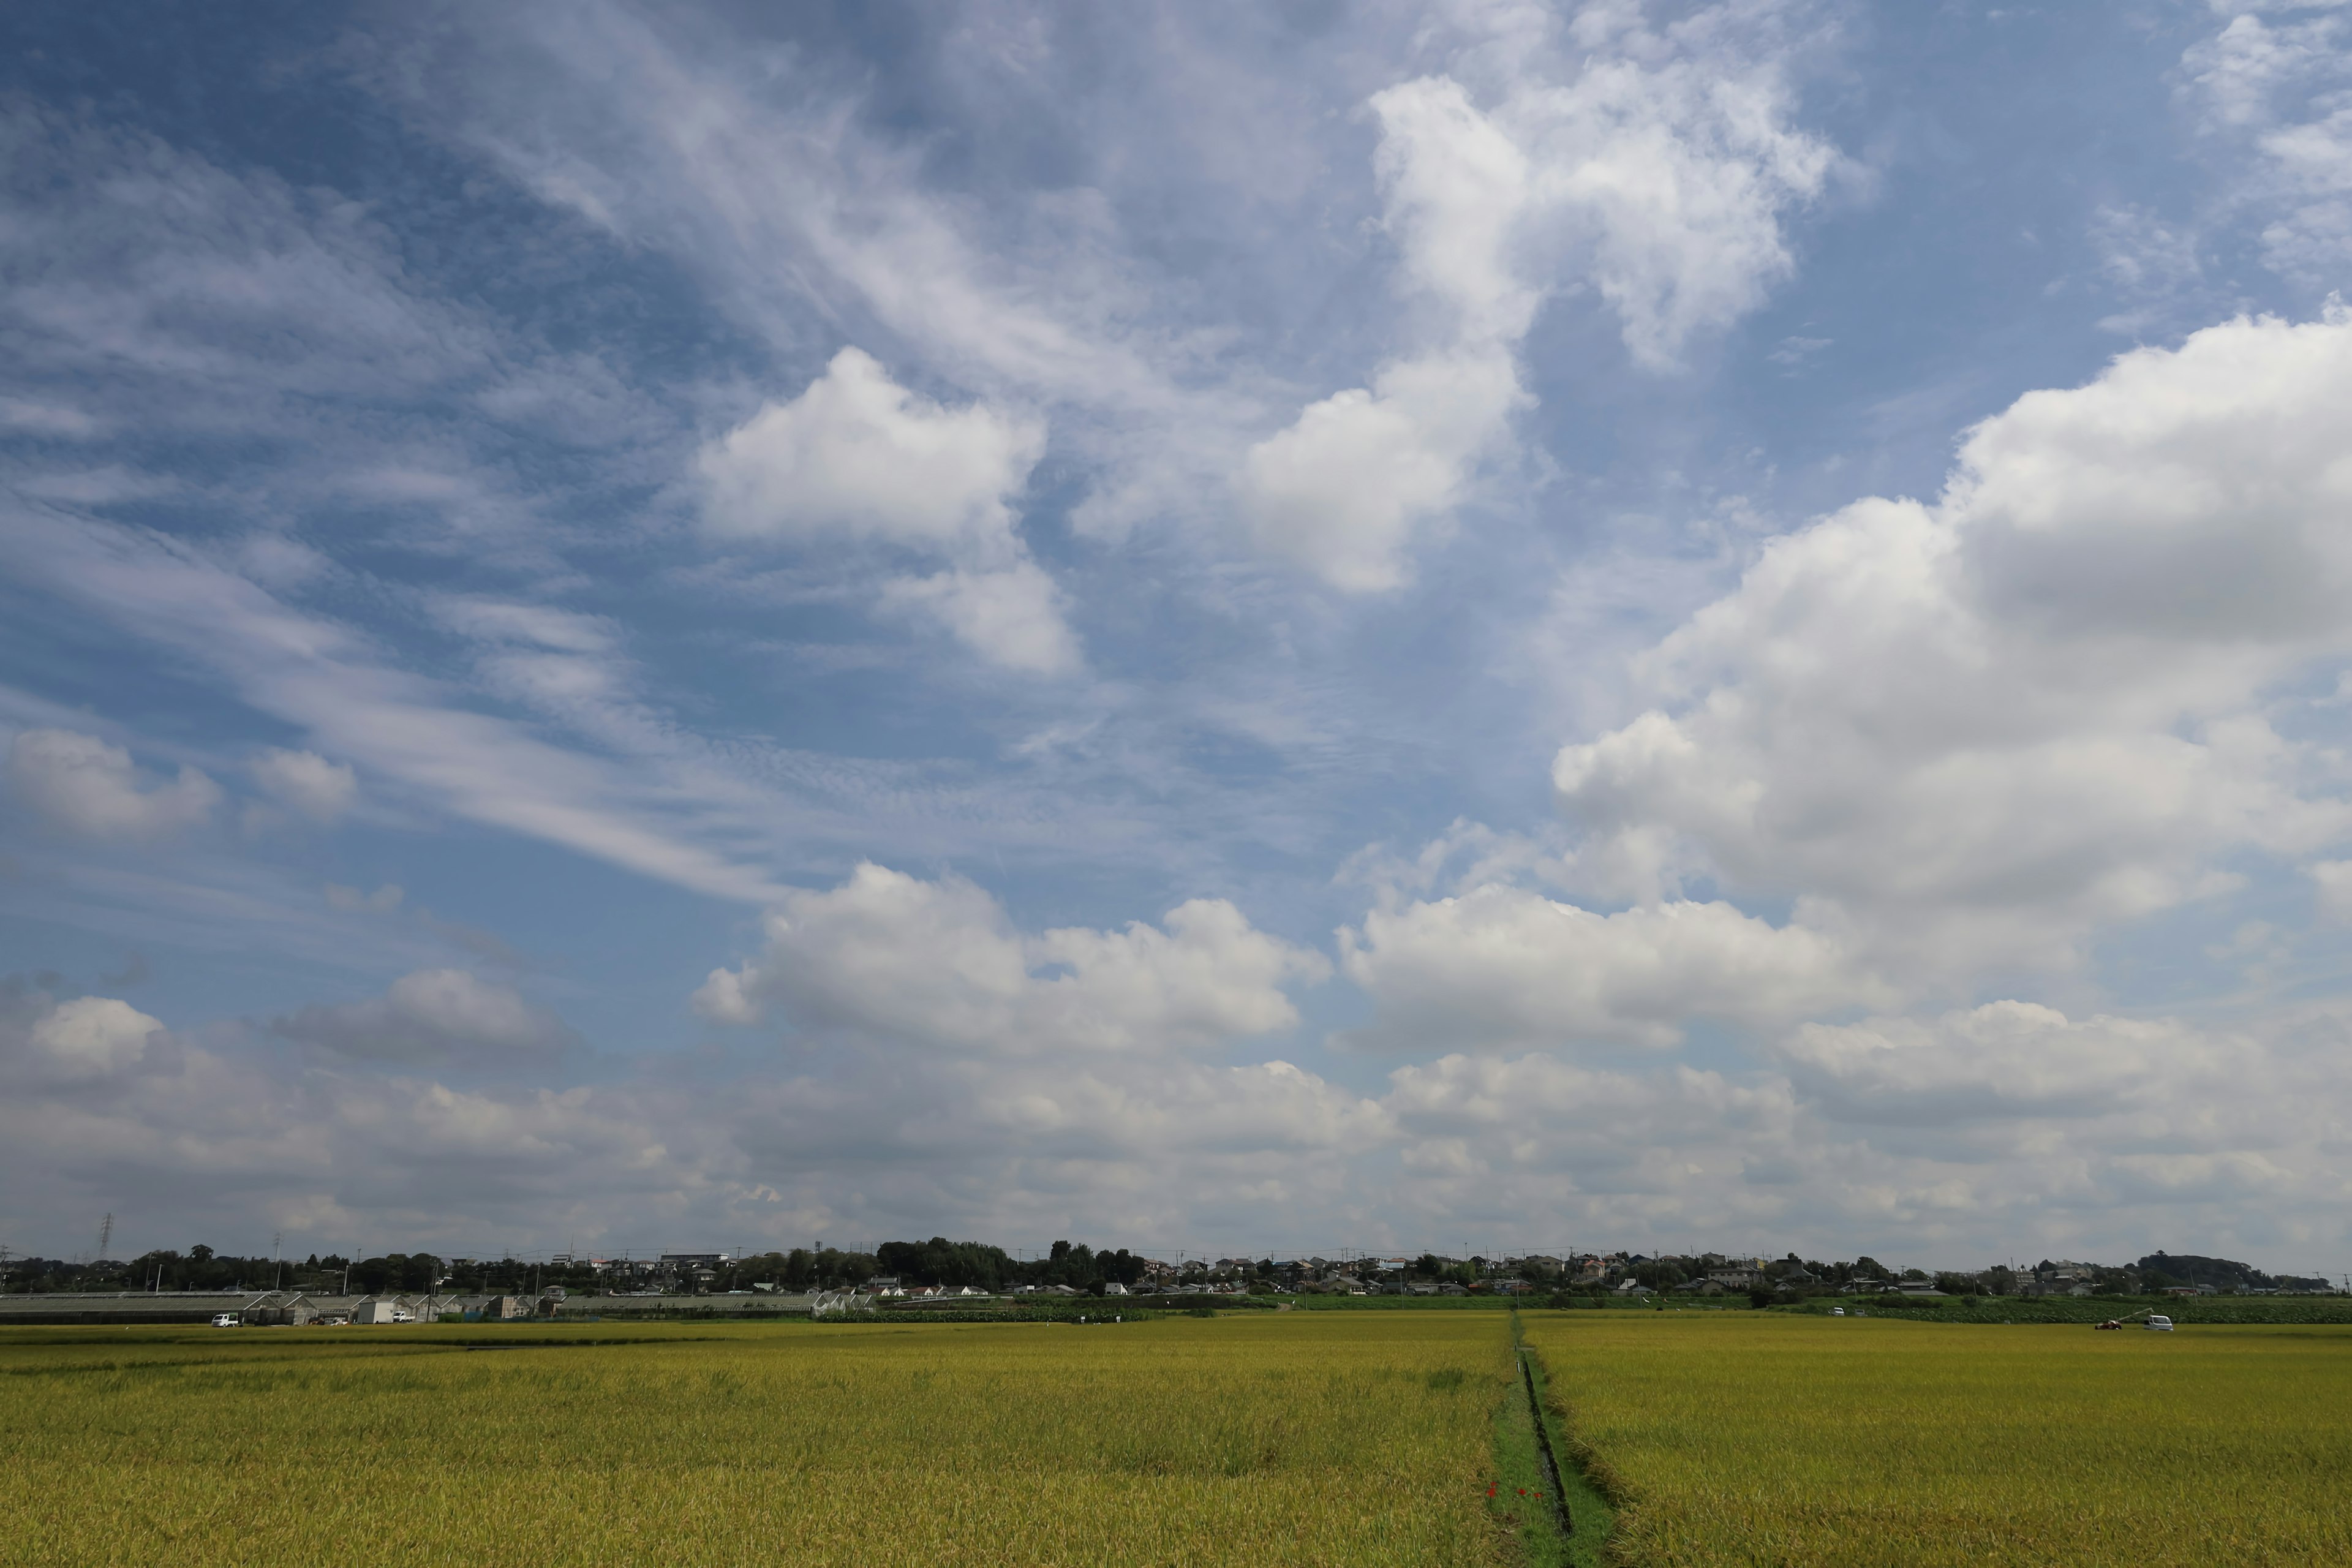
1540,1484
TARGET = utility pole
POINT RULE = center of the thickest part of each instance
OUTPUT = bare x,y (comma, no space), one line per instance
276,1266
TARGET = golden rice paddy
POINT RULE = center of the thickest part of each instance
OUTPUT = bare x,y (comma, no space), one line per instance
1742,1437
1357,1439
1311,1438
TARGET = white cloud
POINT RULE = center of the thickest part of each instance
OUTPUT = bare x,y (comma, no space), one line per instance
92,1038
1998,1062
938,963
48,419
2277,88
1980,729
1455,186
2146,258
859,455
1342,490
1501,968
84,786
872,1140
2240,71
538,626
1671,155
215,1138
325,679
1013,617
319,789
2333,880
1944,1142
431,1014
1951,1141
1660,164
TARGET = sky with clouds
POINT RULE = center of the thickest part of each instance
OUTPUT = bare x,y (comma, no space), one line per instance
1479,626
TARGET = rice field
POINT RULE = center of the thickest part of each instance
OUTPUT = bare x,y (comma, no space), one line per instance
1275,1438
1366,1438
1741,1438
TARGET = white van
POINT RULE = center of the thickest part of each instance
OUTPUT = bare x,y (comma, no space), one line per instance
225,1319
2160,1324
1837,1311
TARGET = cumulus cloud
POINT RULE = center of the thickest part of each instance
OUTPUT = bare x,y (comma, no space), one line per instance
1982,729
1997,1062
1942,1141
1342,489
1953,1139
86,1038
1658,165
2333,885
938,962
873,1139
221,1140
310,783
1674,158
857,456
81,784
1459,1099
434,1013
1014,617
1502,968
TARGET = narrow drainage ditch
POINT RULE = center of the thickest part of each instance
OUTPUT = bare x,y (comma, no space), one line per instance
1556,1493
1570,1528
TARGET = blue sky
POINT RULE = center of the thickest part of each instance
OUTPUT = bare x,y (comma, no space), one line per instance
1271,627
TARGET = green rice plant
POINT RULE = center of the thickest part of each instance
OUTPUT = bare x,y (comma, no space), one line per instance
1326,1439
1764,1438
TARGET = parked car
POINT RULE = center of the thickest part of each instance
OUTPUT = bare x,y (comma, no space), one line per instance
226,1320
2161,1323
1837,1311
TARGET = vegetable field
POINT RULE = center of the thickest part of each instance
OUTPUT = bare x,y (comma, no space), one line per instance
1768,1438
1273,1437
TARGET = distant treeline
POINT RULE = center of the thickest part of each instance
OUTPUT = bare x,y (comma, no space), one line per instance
2159,1269
956,1264
982,1267
937,1261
